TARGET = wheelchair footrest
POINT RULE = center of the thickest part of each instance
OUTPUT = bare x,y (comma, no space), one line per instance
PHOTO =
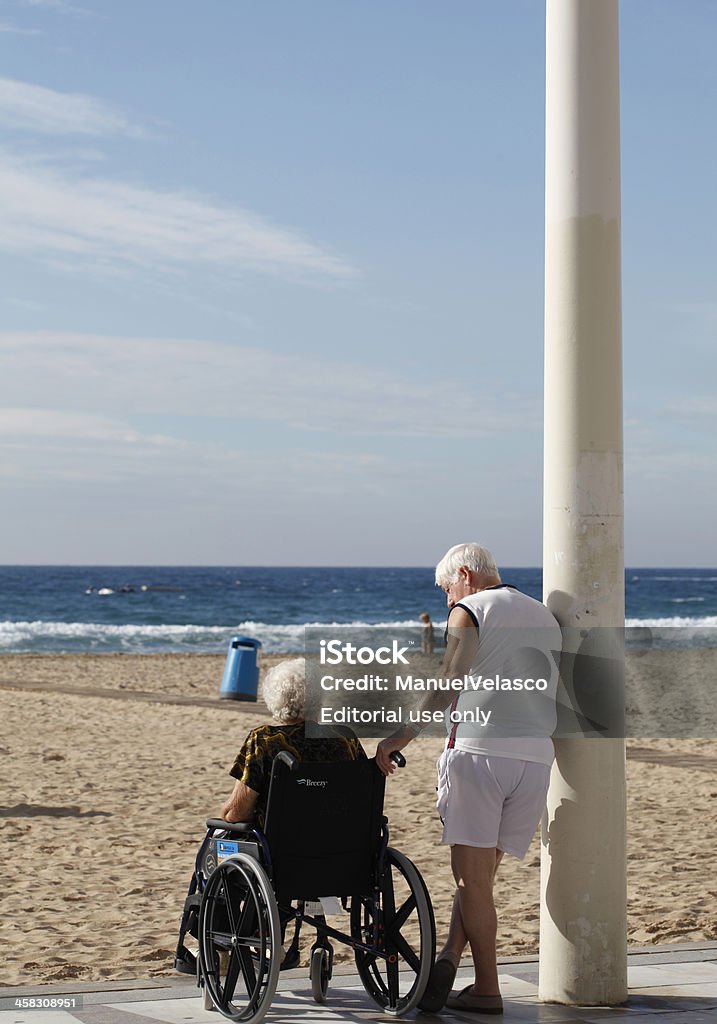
185,962
291,959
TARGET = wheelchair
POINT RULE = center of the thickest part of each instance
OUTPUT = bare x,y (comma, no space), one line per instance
325,836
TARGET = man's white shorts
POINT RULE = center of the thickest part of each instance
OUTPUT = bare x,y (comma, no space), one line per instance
490,801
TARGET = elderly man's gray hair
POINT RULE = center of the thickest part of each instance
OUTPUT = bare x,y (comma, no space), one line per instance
472,556
283,690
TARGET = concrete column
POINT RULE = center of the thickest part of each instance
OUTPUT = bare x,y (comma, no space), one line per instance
583,877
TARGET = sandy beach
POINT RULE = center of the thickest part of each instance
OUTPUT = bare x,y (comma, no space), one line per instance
109,765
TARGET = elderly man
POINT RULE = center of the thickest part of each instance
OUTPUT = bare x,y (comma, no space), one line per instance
494,772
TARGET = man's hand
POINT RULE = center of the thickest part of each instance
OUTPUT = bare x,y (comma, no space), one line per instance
386,747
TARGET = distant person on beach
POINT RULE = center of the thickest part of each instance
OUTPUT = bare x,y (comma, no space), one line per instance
426,633
283,691
492,782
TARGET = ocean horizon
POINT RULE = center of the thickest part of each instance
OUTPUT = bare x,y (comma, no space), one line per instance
164,609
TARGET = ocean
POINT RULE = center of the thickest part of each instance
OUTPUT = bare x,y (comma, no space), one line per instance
139,609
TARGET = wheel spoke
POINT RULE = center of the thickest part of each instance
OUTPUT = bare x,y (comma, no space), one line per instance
247,920
232,975
228,906
245,962
392,975
407,952
214,969
378,977
402,915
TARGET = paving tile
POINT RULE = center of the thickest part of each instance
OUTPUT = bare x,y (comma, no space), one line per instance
517,987
171,1011
635,1010
707,1016
683,997
341,1004
104,1014
36,1017
520,1011
673,957
531,974
65,988
624,1014
139,996
671,974
664,1017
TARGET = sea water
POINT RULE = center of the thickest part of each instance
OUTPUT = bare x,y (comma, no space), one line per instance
140,609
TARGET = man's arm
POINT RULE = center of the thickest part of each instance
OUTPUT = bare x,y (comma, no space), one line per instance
241,803
461,650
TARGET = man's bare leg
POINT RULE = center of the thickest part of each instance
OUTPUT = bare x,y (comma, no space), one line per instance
458,937
456,940
473,917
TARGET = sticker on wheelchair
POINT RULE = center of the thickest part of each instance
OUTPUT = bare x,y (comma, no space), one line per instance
225,848
220,849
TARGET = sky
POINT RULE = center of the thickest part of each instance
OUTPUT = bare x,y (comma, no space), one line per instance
272,280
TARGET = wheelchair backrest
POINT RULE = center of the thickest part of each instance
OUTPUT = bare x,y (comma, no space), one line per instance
323,826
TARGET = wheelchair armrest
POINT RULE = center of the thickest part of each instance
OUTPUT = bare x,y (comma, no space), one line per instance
240,827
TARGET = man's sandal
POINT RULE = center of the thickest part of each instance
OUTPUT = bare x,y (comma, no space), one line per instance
440,983
467,1000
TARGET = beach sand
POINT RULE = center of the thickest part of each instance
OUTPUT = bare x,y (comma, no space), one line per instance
109,765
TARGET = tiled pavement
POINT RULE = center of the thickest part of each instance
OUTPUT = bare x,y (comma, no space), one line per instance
668,985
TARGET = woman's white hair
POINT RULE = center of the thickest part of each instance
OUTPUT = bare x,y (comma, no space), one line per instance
472,556
283,690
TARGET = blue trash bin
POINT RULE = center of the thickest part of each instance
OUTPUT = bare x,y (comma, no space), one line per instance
241,671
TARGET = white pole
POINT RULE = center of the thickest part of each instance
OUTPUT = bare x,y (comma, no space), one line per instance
583,947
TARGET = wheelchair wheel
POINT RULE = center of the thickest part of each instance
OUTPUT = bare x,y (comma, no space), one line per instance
320,968
406,933
240,939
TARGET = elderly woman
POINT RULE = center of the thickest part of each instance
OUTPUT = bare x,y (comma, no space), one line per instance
283,691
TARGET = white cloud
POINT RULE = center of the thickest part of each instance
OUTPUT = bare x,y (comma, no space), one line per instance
57,6
50,445
9,29
24,423
34,108
46,445
94,223
110,375
679,469
699,406
59,425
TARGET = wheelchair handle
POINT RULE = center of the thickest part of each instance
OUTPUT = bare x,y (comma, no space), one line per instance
239,827
398,759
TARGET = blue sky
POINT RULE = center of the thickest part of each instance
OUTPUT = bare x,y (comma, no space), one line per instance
273,280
